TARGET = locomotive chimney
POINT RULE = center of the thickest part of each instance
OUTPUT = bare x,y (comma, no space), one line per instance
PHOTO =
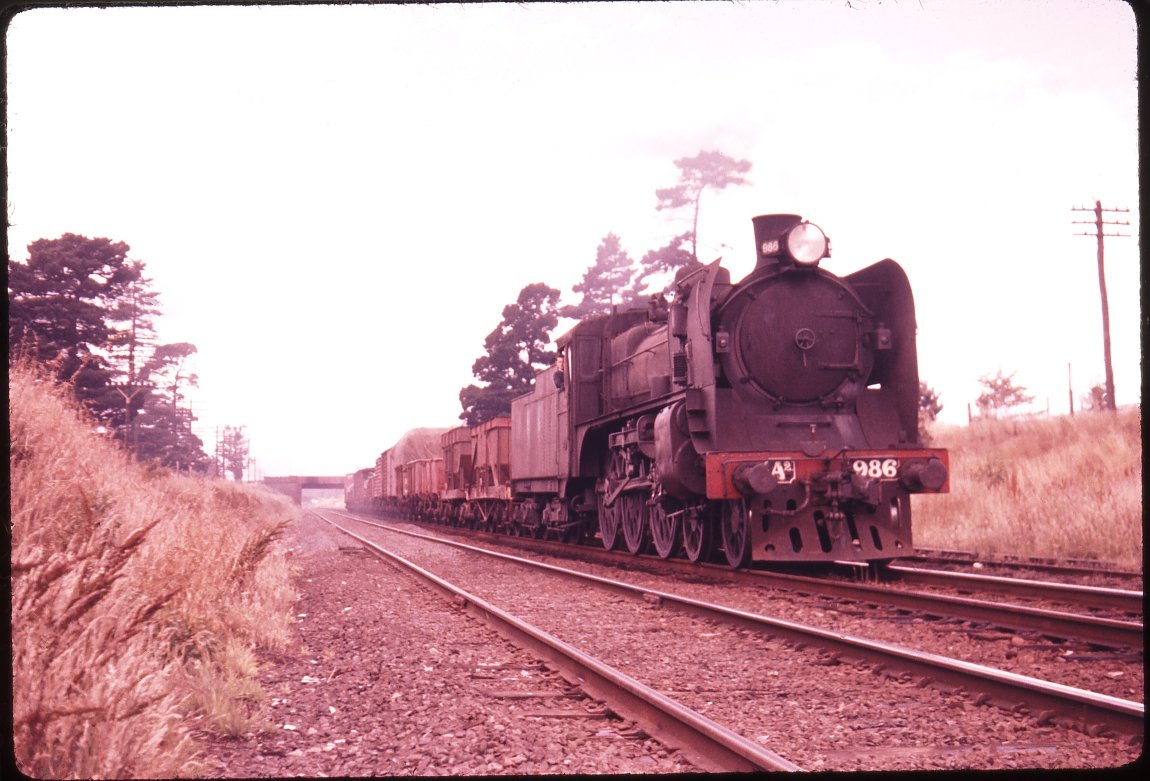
769,232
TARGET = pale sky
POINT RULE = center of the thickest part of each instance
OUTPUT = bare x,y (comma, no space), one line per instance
336,203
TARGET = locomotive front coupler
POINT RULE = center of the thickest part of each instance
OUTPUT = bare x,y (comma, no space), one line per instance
842,485
830,486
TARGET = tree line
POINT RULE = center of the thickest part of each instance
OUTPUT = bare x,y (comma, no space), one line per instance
84,310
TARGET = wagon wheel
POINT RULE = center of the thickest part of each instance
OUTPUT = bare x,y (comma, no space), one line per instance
609,524
634,521
573,534
664,530
735,528
532,523
697,535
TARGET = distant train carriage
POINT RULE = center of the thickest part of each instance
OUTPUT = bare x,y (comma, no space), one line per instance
376,487
457,464
492,459
356,492
489,487
421,487
386,466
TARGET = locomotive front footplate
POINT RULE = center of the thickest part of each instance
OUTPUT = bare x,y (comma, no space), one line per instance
852,505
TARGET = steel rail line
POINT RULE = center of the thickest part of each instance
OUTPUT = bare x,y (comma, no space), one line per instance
1053,623
706,743
1007,690
1038,563
1090,596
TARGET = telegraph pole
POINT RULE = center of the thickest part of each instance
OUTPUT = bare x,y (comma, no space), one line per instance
1100,224
129,391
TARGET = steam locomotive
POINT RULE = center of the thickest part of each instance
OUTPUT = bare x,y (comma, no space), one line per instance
773,419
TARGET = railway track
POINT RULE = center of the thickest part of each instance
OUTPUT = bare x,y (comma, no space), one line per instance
1122,631
706,743
1127,601
1049,702
1069,568
1123,605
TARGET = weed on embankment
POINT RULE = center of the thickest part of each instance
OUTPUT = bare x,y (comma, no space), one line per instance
1052,486
138,598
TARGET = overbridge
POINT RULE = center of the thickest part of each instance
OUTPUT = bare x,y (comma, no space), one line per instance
293,486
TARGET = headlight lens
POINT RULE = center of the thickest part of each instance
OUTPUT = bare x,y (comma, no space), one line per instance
806,243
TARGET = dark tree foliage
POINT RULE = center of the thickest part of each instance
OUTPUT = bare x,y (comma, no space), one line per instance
662,264
515,350
164,431
82,307
706,170
59,300
233,452
929,405
605,284
929,402
163,435
58,311
1001,393
1096,400
132,318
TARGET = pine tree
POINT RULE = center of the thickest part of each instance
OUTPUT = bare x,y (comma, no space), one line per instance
164,431
605,283
515,351
658,267
233,452
59,306
706,170
132,334
83,307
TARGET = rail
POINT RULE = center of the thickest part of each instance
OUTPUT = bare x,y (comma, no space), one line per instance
1046,699
706,743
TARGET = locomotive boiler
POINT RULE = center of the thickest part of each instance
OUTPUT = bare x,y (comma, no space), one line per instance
772,419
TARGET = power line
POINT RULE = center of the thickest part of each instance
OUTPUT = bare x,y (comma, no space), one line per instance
1100,224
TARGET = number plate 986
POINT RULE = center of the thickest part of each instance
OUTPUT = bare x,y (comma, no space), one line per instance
875,468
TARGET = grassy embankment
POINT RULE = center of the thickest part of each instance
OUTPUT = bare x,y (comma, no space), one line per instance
138,599
1067,487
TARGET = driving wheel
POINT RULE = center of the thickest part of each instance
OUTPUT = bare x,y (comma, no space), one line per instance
735,527
697,534
664,530
634,521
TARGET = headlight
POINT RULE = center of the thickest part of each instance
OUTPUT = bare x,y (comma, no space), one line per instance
807,244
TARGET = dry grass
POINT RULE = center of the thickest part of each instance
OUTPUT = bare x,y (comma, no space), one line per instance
137,599
1063,486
